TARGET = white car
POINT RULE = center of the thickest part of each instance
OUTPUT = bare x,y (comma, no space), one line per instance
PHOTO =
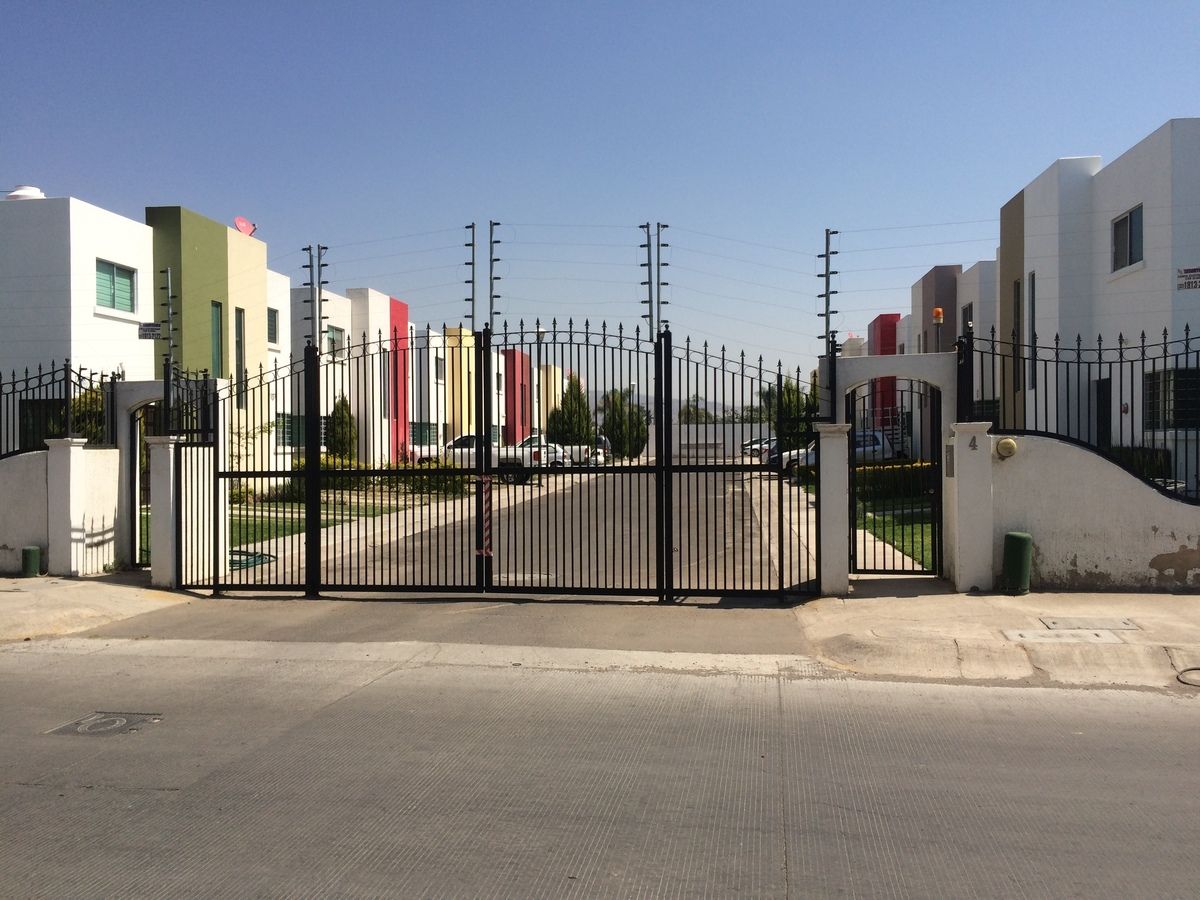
869,447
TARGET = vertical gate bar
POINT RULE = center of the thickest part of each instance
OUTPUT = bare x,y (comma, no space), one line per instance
779,479
936,399
669,495
853,536
479,467
660,576
217,517
177,505
312,472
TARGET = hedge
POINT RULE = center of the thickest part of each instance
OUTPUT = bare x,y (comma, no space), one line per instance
890,480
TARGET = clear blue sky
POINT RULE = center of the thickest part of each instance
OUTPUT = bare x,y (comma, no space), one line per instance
357,124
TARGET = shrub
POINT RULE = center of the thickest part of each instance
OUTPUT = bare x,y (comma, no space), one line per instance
341,439
433,478
892,480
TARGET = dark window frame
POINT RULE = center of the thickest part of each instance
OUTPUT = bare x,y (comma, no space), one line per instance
1128,247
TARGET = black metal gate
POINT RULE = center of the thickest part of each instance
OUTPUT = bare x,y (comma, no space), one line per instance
895,477
535,460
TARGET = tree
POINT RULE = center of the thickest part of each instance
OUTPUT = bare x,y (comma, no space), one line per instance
87,416
626,425
341,437
571,422
694,413
794,424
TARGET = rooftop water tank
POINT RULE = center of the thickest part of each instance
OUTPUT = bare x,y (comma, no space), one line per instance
25,192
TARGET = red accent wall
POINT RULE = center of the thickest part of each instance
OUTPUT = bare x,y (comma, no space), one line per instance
881,341
517,381
399,365
881,335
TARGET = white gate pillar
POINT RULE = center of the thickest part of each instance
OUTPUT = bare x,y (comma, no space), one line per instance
972,513
66,479
833,455
163,511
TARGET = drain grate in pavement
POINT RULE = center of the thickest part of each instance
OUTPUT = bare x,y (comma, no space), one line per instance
104,724
1068,622
1073,636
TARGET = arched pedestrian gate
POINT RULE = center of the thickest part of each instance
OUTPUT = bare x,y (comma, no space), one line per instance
549,461
895,477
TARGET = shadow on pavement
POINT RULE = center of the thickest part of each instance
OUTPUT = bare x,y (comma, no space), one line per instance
879,587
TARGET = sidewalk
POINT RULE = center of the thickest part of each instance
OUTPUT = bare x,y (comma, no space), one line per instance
917,628
51,606
912,629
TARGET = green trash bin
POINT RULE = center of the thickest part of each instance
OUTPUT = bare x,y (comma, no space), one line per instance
31,561
1018,559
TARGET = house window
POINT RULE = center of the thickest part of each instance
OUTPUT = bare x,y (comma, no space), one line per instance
499,382
1127,239
114,286
272,326
1033,330
968,319
385,383
1171,399
900,350
218,344
1017,331
239,355
335,340
424,433
439,369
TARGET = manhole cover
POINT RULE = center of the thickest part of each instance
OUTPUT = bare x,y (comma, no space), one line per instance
1067,622
1074,636
103,724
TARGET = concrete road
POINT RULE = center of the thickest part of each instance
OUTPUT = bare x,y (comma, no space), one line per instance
452,770
578,530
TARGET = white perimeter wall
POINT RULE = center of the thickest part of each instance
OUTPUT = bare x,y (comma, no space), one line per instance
23,512
1094,526
63,500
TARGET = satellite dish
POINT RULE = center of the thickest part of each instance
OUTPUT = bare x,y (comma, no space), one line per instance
244,225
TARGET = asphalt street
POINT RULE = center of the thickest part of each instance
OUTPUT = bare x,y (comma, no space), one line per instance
576,530
445,769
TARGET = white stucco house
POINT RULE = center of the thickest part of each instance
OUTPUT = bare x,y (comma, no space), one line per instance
75,281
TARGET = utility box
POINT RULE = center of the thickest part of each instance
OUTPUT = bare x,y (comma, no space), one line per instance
31,561
1018,560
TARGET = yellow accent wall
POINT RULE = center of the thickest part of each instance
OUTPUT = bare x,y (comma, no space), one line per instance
247,291
460,381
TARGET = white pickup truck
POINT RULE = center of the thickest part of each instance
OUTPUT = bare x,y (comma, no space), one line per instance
598,453
513,465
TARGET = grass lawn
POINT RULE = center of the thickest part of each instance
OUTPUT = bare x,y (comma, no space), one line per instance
906,525
252,523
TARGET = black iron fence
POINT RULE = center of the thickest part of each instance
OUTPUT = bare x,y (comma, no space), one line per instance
55,402
1135,402
557,459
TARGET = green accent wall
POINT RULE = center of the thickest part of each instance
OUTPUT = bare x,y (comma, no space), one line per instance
196,249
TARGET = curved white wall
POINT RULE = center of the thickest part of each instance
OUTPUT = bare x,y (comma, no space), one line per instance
1094,526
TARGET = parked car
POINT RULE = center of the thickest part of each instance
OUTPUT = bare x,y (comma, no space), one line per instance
869,446
515,465
768,452
753,447
598,453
